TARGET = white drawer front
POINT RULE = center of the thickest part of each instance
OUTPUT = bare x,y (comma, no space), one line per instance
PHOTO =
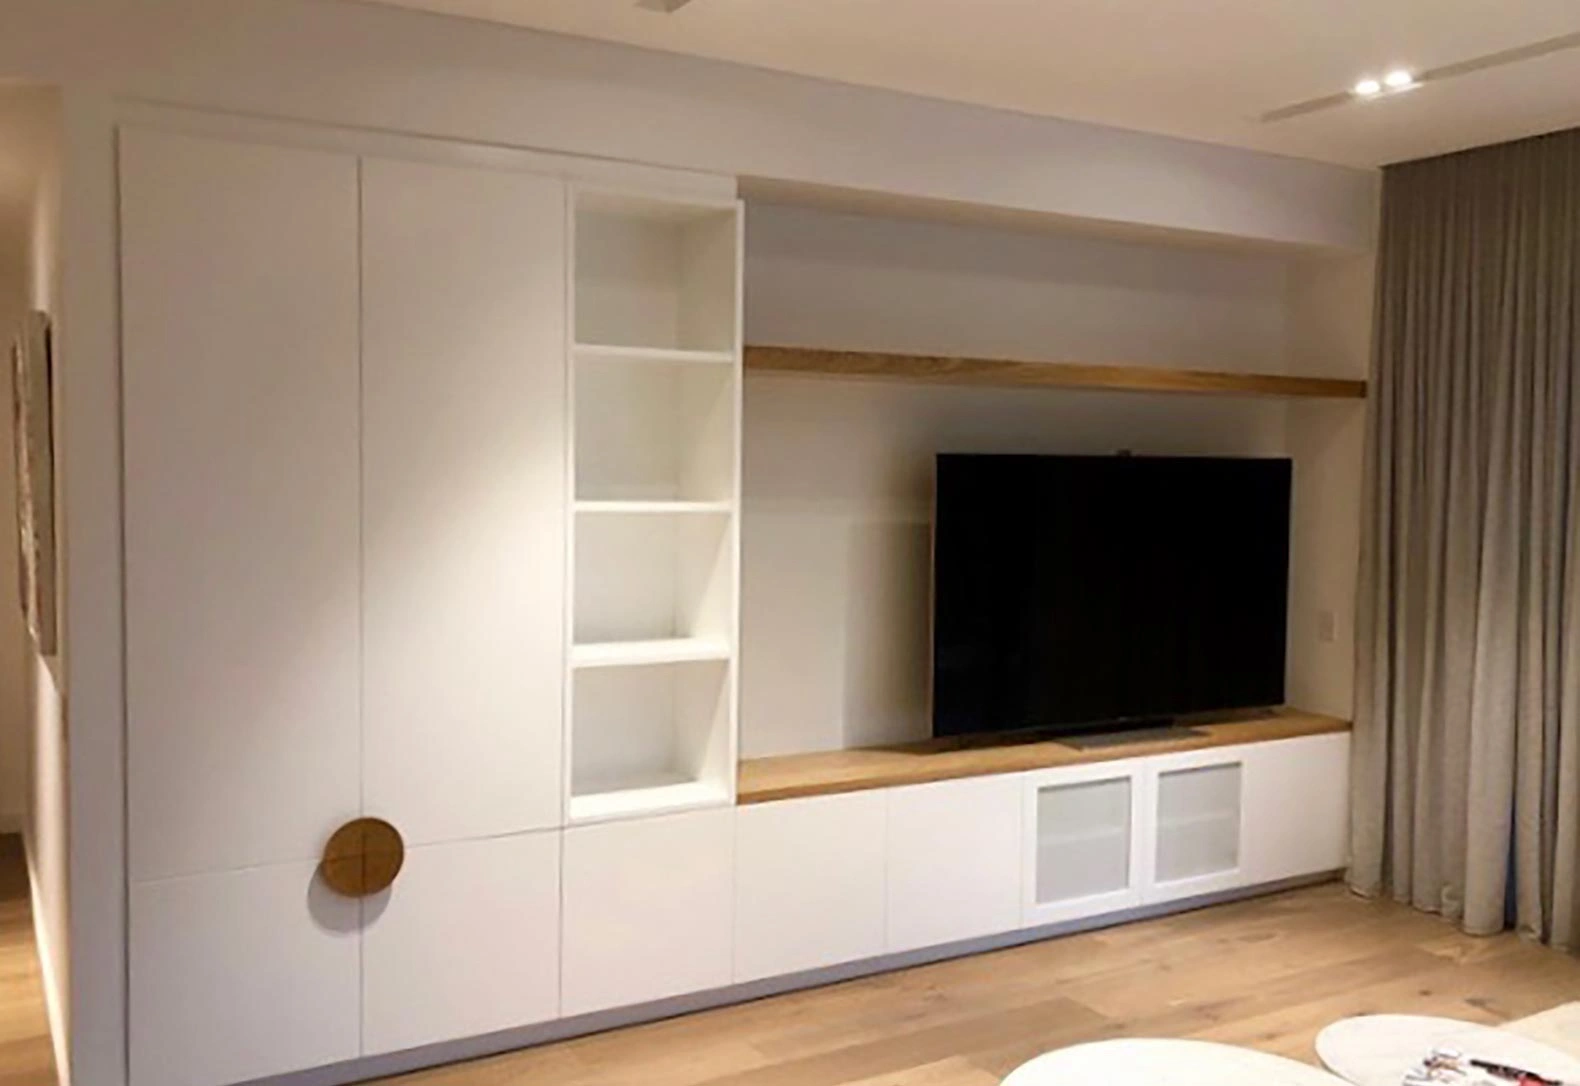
648,909
954,861
809,883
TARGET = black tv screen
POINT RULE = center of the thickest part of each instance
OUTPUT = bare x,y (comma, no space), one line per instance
1082,592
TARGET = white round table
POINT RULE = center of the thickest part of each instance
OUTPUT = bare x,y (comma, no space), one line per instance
1379,1049
1144,1062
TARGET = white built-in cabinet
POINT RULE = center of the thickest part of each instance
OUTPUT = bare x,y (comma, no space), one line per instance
356,501
432,515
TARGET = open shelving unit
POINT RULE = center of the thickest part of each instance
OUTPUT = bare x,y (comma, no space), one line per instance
655,524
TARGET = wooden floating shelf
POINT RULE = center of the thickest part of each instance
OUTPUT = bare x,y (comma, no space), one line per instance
1004,373
791,776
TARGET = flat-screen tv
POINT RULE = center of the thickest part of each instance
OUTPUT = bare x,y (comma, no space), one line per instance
1087,593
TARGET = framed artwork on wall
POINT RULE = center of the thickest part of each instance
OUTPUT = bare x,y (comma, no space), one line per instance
32,411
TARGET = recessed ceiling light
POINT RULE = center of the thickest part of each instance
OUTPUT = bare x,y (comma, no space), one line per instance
1368,87
1398,79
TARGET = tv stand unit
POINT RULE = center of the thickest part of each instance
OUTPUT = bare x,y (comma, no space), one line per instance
849,855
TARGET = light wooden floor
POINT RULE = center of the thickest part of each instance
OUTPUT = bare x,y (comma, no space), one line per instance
1266,973
26,1058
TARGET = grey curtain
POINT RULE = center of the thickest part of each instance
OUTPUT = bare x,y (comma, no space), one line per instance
1467,755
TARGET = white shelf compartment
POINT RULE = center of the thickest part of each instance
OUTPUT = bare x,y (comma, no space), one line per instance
657,272
655,431
650,738
656,385
644,578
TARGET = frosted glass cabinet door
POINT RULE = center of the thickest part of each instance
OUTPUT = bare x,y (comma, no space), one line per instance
1086,833
1200,823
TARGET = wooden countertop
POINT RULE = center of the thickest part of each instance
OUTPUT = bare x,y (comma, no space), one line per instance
763,780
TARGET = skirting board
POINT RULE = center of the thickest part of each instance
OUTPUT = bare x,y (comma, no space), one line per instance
472,1048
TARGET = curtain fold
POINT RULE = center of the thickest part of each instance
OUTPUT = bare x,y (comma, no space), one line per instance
1467,743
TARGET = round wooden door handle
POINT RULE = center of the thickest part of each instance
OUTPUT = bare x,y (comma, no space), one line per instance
362,858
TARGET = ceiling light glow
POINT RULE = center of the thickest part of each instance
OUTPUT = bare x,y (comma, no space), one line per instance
1368,87
1399,79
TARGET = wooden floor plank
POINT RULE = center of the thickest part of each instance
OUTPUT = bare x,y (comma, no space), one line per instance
26,1056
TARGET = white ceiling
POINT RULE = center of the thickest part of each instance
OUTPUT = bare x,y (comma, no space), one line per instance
1202,69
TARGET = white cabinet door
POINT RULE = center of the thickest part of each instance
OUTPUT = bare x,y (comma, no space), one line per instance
809,883
466,942
240,399
239,354
464,498
954,867
1086,845
1200,823
463,593
239,976
1298,807
648,910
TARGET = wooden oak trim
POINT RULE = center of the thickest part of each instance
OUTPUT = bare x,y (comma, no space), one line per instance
791,776
1005,373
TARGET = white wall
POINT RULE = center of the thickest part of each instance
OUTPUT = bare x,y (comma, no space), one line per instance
837,478
355,64
24,121
14,296
43,719
1330,312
